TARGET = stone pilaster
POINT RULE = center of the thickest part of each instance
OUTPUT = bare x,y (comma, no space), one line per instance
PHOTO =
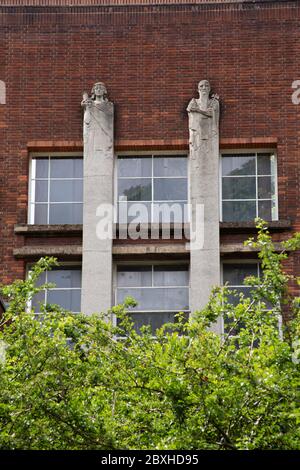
204,195
97,201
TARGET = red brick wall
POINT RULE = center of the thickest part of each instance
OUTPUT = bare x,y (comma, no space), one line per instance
151,59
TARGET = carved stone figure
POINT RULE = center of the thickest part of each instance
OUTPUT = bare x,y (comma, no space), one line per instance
98,121
203,116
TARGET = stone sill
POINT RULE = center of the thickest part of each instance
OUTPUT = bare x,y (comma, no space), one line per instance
48,230
76,229
239,227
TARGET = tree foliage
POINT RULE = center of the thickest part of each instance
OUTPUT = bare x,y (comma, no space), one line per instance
70,381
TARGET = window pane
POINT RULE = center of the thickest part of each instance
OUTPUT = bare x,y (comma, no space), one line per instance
65,277
170,189
135,189
68,299
140,212
171,276
41,167
134,276
66,168
263,164
235,273
156,320
134,167
66,191
170,166
265,210
173,212
37,300
239,211
233,165
65,214
265,187
40,213
239,188
156,298
41,191
234,299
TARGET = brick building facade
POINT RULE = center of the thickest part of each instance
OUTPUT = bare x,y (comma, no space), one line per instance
150,55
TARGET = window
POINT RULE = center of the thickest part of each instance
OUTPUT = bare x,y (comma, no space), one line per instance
152,188
248,187
67,290
234,275
160,290
56,190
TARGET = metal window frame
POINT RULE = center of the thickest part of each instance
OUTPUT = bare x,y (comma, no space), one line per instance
32,182
152,154
66,265
274,198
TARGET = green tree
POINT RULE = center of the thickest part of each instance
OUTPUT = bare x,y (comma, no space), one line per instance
70,381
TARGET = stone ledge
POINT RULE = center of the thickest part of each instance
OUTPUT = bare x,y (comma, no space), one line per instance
276,225
38,230
76,229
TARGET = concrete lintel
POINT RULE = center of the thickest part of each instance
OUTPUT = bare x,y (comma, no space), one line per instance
153,248
65,251
241,248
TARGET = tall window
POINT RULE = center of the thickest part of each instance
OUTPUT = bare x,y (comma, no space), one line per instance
161,291
248,187
67,290
152,188
56,190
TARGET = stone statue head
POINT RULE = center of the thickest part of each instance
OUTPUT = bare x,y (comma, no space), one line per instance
99,89
204,88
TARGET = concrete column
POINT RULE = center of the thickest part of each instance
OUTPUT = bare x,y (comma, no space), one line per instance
204,195
98,133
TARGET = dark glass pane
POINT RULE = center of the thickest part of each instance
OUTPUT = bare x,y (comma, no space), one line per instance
156,320
239,211
263,164
40,214
134,276
134,167
170,189
37,300
265,187
41,191
66,191
265,210
68,299
171,276
235,273
138,189
41,167
66,168
65,213
233,165
170,166
234,299
239,188
65,277
42,279
174,212
157,298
